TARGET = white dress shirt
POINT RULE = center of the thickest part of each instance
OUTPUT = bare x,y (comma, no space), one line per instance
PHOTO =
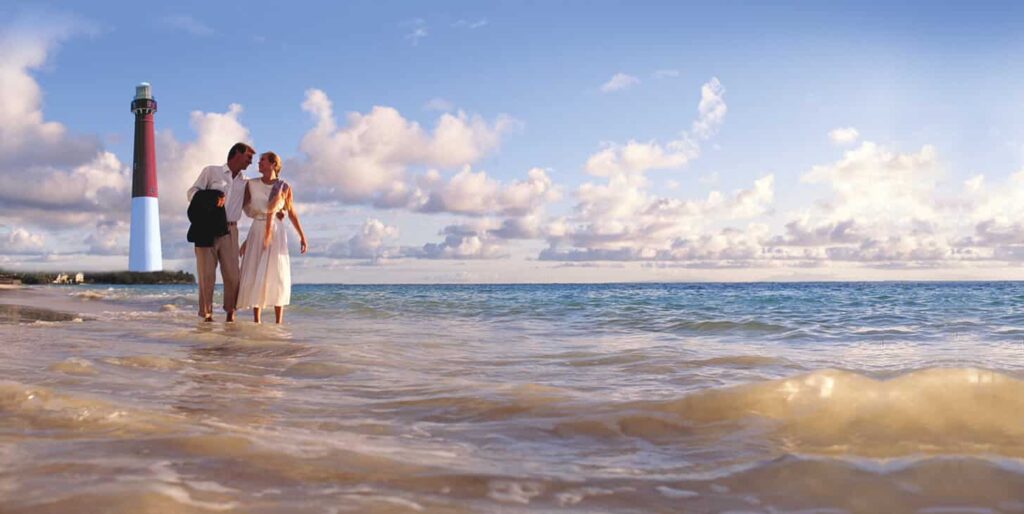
219,178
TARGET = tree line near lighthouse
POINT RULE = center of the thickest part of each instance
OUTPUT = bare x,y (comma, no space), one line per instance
100,277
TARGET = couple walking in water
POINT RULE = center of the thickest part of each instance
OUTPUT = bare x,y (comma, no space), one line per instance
217,200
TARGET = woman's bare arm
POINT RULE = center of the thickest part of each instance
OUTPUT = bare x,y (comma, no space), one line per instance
292,215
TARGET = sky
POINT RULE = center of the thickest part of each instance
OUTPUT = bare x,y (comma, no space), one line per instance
535,141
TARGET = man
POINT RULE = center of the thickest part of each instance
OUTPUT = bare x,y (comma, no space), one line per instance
227,178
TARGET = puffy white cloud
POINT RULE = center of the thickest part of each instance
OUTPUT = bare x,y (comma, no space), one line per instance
476,194
711,109
26,137
613,203
885,207
461,242
998,204
100,185
460,139
634,157
727,247
466,193
377,242
803,232
874,185
21,241
370,242
844,136
622,220
992,232
729,244
366,161
638,158
109,238
750,203
530,226
61,178
619,82
898,248
993,213
526,196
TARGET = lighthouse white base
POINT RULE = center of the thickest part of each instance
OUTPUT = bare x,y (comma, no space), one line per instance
144,239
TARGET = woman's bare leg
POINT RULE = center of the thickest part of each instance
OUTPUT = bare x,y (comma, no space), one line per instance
279,313
256,314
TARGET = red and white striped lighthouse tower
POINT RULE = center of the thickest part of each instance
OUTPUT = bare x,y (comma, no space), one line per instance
144,241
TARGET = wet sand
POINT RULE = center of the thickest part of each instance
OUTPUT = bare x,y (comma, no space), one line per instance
13,313
490,400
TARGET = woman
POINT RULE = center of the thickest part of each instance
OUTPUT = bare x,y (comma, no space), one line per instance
266,270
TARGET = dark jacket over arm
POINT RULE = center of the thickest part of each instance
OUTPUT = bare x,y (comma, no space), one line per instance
208,221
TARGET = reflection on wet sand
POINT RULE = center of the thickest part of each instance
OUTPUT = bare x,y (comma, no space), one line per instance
232,373
15,314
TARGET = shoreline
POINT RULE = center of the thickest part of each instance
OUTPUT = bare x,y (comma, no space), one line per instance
37,303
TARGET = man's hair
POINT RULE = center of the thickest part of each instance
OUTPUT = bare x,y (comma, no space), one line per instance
239,148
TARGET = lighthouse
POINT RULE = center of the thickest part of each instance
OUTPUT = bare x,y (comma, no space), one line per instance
144,240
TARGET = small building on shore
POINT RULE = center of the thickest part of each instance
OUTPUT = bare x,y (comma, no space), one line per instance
65,278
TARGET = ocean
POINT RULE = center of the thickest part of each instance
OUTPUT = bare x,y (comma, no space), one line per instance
813,397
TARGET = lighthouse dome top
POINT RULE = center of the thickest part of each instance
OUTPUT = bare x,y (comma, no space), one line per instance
142,91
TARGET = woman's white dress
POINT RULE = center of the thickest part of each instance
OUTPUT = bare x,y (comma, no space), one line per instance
266,278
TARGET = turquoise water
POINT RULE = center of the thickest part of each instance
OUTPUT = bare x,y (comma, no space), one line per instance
507,398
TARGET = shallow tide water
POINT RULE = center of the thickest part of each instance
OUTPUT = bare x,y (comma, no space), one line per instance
830,397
